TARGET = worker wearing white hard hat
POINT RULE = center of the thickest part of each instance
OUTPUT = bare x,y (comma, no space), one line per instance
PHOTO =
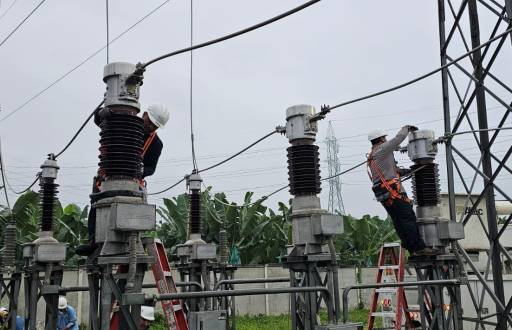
66,319
147,316
388,189
154,118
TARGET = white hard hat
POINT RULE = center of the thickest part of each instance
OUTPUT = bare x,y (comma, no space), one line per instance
147,313
375,134
158,114
63,303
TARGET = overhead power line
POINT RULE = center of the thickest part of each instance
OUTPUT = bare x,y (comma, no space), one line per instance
232,35
240,152
327,109
80,129
8,8
4,185
192,144
221,162
21,23
87,59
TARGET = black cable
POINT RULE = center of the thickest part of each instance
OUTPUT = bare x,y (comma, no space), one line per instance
194,161
167,189
346,171
327,109
330,177
238,153
230,36
80,129
21,23
3,179
56,81
108,27
221,162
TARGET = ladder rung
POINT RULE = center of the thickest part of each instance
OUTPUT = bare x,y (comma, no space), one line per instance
389,267
391,245
384,314
167,274
386,290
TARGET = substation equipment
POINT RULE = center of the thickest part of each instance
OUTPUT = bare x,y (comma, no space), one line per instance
120,203
199,265
440,305
312,259
10,274
45,255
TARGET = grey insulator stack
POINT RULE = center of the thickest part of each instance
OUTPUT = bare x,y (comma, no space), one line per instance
9,255
425,184
48,198
223,247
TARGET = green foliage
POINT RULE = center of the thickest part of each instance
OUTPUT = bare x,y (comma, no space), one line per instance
360,244
70,223
272,322
259,233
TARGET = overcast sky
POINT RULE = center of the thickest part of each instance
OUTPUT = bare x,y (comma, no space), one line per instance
331,52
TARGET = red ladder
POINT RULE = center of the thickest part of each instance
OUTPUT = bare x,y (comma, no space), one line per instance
173,310
174,314
391,259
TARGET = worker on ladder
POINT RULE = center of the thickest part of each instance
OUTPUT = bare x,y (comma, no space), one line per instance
154,118
385,176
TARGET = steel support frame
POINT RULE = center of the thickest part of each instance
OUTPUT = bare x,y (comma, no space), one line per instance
46,287
305,306
479,69
436,311
10,290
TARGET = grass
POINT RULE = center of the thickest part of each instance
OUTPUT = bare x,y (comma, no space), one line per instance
274,322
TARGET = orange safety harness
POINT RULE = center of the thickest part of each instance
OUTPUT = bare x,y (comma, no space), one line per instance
148,142
386,184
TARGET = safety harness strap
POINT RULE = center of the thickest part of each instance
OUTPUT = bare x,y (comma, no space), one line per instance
394,193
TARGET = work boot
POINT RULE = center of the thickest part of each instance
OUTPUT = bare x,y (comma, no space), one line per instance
85,250
426,252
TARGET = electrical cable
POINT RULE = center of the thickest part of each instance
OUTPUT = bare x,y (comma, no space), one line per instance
194,160
56,81
265,197
8,8
24,190
327,109
142,66
450,135
221,162
169,188
238,153
4,186
21,23
108,27
80,129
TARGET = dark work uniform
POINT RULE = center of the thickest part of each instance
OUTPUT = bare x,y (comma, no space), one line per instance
150,161
152,155
400,210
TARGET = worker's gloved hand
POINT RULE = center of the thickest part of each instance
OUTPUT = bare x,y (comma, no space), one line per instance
412,128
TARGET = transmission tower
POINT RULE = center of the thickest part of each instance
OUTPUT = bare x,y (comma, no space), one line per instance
333,163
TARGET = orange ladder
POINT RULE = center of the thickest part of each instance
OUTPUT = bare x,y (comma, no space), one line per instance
391,261
173,310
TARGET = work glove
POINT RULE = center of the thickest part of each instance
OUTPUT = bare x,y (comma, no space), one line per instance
411,128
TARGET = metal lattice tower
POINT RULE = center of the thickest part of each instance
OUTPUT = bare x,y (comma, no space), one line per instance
334,166
475,83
